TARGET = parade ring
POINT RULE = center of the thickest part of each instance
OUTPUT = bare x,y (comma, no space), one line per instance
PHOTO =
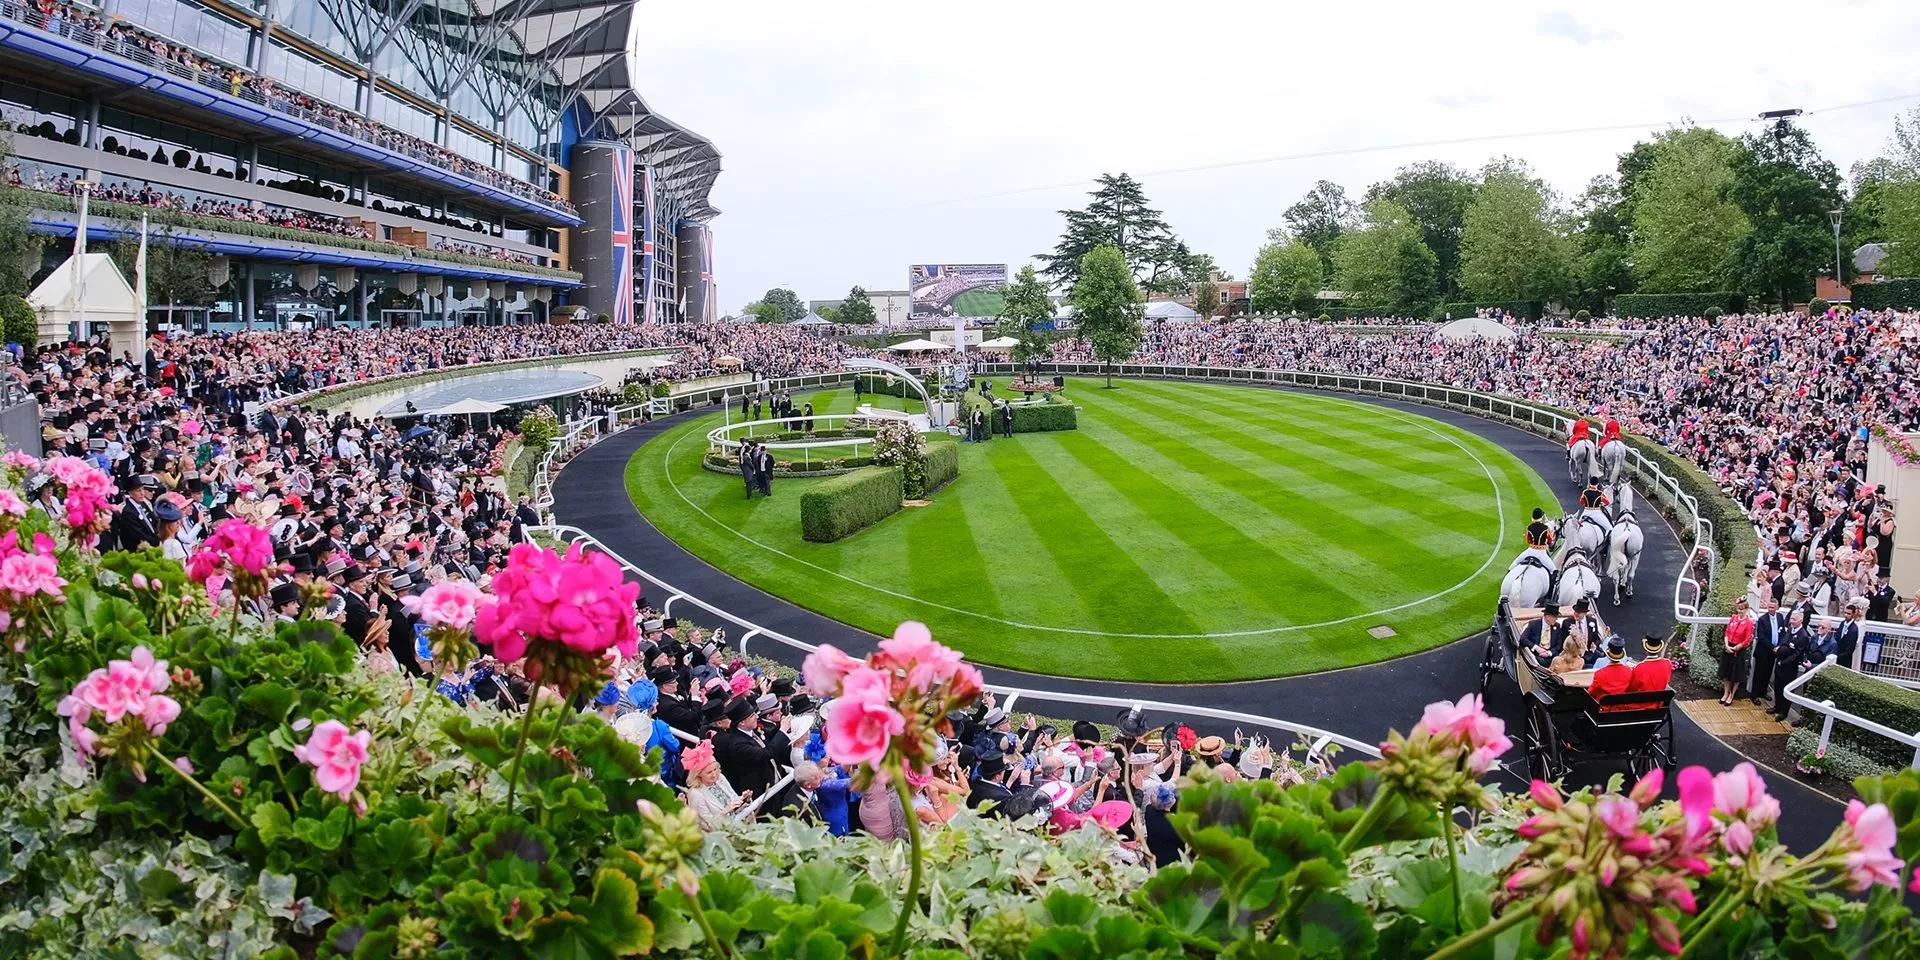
1186,532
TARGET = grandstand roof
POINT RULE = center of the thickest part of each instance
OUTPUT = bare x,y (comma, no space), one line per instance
574,52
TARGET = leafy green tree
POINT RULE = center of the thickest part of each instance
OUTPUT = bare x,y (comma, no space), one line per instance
1319,218
19,247
829,313
1888,191
857,309
1602,264
1286,276
1385,265
1787,190
786,305
1436,195
1117,215
1685,227
1206,299
1511,244
1028,317
1106,307
176,274
763,312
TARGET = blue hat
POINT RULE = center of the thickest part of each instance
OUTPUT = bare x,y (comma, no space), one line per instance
642,695
608,696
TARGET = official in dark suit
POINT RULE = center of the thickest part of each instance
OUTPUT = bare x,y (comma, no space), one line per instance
1767,628
749,462
1789,651
1006,419
1544,636
744,757
1847,637
132,525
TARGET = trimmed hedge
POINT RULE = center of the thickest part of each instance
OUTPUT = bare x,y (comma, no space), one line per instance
943,464
835,508
1876,700
1045,418
1529,309
1844,763
1677,304
1887,295
891,386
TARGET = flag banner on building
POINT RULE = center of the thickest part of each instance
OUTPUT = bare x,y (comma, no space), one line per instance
647,217
623,218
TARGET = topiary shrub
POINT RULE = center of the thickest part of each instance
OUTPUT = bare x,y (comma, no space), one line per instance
1713,313
537,430
1323,318
18,323
1582,315
1045,418
943,465
1817,305
834,509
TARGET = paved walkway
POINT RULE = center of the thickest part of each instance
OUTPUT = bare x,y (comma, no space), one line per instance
1360,702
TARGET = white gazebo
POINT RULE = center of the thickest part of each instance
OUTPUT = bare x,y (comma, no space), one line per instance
810,320
1467,328
1171,310
918,346
90,288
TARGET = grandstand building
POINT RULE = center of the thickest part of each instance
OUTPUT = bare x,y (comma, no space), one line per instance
364,162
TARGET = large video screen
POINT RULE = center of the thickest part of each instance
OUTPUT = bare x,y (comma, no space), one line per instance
945,290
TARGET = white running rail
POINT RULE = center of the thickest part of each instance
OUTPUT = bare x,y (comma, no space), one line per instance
1833,713
751,631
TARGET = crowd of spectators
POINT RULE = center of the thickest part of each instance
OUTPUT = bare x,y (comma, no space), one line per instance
148,195
1777,408
486,253
118,36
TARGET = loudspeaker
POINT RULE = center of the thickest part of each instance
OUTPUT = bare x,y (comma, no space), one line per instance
1059,381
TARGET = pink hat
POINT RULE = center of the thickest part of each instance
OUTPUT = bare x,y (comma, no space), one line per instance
1111,813
698,756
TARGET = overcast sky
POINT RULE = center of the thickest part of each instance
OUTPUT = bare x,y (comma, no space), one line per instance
864,135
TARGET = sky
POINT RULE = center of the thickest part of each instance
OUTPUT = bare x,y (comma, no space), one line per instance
861,136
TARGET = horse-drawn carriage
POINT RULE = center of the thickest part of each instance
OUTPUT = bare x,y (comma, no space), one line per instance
1565,724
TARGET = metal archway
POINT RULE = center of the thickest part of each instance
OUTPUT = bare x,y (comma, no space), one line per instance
882,366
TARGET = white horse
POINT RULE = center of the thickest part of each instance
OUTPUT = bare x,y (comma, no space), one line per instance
1580,460
1613,462
1525,585
1623,554
1577,534
1578,580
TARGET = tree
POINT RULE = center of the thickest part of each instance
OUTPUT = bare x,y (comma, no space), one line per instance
1206,298
786,305
763,312
1602,266
1511,244
19,247
1117,215
1436,195
1385,265
1685,228
1787,190
1286,276
857,309
829,313
18,323
1028,317
176,274
1887,200
1319,218
1106,307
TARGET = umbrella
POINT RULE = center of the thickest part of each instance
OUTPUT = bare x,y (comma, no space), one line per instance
417,431
470,406
913,346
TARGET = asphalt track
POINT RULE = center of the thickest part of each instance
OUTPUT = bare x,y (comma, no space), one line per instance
1361,702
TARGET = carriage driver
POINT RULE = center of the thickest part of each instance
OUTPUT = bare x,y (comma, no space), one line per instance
1593,508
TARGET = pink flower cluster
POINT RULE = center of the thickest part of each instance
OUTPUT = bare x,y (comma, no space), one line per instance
1741,798
26,573
910,682
129,688
581,601
1467,722
18,460
86,490
236,547
1870,834
449,603
336,755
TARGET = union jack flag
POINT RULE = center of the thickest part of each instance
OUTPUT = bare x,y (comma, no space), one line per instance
646,242
622,236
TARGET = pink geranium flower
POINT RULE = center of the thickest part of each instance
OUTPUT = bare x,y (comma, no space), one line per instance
336,755
1871,858
24,576
11,505
860,728
121,689
912,649
582,601
825,668
449,603
18,460
1619,814
1741,794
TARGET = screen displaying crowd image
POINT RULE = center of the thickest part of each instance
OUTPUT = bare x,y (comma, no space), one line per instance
945,290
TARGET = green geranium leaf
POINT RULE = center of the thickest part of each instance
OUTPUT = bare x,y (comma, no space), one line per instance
324,834
270,699
1330,925
614,914
160,884
273,821
816,881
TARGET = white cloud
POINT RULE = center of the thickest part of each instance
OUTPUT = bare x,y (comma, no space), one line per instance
861,135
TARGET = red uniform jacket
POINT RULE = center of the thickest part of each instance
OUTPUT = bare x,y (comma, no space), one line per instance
1610,679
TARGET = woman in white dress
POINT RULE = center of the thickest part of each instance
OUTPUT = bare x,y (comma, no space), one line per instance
709,795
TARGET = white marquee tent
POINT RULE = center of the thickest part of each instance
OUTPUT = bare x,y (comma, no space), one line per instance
1467,328
90,287
1171,310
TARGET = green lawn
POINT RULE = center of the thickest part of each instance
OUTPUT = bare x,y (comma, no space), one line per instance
1185,532
980,303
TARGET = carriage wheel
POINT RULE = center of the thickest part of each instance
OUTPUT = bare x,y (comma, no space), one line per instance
1671,753
1543,747
1492,661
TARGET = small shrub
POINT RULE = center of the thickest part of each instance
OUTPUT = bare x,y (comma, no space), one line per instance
835,508
537,430
1582,315
1817,305
1713,313
1045,418
1840,761
1323,318
18,323
943,464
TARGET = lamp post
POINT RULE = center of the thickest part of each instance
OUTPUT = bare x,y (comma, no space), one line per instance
79,285
1834,216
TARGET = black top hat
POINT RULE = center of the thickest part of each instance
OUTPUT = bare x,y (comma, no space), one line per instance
1085,732
1550,610
783,687
740,709
1132,724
